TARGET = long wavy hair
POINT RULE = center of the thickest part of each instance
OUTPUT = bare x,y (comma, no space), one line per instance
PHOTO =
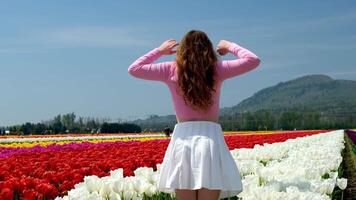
196,60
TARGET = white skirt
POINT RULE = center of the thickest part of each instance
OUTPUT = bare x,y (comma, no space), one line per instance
198,157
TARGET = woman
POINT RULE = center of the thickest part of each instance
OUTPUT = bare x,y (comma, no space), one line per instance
197,163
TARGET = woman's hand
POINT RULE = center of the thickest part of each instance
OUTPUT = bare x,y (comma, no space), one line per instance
223,47
167,46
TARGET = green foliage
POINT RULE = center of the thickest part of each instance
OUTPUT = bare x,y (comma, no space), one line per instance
349,166
337,193
263,162
120,128
325,176
261,181
290,120
159,196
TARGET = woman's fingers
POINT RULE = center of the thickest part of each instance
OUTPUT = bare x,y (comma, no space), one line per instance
167,46
222,51
174,45
171,43
222,47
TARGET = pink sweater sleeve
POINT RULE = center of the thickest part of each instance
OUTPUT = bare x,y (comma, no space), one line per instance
246,61
144,68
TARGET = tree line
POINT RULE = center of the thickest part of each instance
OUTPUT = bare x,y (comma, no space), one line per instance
287,120
268,120
70,123
249,121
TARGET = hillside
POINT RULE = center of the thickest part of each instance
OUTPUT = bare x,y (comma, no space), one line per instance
318,93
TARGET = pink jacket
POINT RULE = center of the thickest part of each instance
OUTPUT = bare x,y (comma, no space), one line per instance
166,72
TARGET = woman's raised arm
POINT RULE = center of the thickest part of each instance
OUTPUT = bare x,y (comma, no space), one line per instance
246,61
144,67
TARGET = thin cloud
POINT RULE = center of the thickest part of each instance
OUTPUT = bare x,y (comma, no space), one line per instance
281,64
19,50
100,37
327,22
41,41
342,73
322,46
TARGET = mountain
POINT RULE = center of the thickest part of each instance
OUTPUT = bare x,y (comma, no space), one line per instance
308,93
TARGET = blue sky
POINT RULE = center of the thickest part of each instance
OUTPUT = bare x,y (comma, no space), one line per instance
67,56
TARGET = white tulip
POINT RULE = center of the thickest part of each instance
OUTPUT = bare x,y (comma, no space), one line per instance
93,183
114,196
129,194
117,173
105,190
118,186
146,173
341,183
152,189
79,192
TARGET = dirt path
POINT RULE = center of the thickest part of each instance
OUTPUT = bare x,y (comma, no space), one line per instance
349,168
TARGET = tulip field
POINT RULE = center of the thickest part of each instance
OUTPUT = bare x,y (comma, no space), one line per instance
272,164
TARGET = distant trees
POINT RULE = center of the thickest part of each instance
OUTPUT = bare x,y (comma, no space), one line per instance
290,120
27,128
69,123
287,120
120,128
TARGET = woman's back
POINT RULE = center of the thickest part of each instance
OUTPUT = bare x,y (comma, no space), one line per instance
197,163
166,72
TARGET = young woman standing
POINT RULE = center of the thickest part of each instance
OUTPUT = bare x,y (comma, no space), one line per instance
197,164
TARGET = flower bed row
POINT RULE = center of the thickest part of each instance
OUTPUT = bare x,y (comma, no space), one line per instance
73,138
52,170
269,132
93,140
302,168
73,135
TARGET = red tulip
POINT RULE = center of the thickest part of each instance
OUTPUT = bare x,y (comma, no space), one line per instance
6,194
